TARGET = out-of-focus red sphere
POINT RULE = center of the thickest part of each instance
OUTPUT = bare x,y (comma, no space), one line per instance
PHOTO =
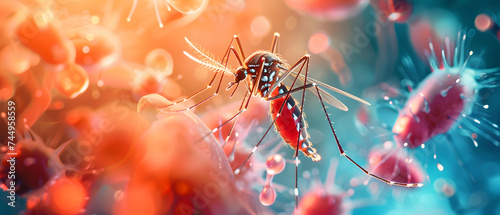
66,196
31,171
320,203
396,10
46,38
395,165
329,10
96,48
484,22
71,81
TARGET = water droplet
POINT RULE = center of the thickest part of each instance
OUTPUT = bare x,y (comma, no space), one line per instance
267,196
275,164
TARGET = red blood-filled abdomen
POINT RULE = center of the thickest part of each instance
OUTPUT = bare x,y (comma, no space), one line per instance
288,121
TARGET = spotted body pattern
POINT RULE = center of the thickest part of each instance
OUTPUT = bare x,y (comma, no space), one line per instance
288,123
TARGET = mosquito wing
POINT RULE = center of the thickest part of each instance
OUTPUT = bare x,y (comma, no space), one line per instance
327,97
206,58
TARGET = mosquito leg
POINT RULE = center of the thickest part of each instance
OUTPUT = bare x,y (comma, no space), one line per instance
240,47
306,62
342,152
232,127
274,45
224,61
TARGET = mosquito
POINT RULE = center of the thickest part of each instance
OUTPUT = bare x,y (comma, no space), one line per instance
263,74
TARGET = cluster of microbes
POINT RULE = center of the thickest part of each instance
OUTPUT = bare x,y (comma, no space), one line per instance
107,107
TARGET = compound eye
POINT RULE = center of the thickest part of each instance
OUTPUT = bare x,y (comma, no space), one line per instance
240,74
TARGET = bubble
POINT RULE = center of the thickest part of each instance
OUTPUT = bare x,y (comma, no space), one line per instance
267,196
187,6
71,81
275,164
160,60
319,42
95,20
260,26
484,22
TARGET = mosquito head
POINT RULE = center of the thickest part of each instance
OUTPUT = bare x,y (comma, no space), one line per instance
241,74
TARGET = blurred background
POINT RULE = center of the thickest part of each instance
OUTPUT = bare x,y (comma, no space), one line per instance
77,70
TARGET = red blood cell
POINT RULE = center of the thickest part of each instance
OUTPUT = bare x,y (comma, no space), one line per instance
395,165
96,48
31,168
67,196
431,109
46,39
320,203
36,166
71,81
329,10
396,10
